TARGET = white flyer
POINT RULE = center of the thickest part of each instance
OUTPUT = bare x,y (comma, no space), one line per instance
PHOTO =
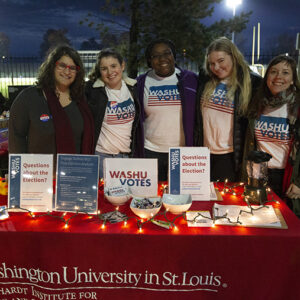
30,184
261,216
199,218
189,172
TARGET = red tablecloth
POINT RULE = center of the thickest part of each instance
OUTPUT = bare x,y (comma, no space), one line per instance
40,259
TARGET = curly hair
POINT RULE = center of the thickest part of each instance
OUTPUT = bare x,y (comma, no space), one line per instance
257,106
107,52
148,51
240,76
46,78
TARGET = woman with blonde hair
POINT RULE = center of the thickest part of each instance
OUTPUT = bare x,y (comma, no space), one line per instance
224,92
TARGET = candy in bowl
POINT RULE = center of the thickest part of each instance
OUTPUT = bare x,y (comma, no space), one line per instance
145,207
118,195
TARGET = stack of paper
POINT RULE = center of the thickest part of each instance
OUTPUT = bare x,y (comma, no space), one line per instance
261,216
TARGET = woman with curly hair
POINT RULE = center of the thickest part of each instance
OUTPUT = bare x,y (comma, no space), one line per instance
274,125
167,96
224,92
53,116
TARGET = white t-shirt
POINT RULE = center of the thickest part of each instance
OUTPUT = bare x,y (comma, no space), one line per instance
115,135
163,124
217,114
273,136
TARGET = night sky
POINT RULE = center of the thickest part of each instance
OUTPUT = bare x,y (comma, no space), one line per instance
26,21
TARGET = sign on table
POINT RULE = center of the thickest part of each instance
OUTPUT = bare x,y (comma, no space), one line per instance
30,184
140,175
77,183
189,172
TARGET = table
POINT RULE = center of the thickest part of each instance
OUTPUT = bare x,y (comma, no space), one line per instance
41,259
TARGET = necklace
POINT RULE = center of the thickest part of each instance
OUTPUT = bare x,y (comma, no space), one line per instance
64,98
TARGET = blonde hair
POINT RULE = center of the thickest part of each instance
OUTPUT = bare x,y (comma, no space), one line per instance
240,76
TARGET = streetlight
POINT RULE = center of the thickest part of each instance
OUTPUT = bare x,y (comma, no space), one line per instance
233,4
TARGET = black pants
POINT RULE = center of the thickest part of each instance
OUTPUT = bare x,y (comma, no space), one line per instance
163,159
222,167
275,179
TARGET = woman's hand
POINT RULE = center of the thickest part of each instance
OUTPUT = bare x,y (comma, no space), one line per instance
293,192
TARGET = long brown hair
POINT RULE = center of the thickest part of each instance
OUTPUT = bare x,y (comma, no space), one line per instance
46,79
257,106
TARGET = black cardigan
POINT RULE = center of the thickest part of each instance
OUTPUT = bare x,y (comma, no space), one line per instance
97,100
240,123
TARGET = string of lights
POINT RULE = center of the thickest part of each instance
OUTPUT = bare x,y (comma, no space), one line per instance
161,219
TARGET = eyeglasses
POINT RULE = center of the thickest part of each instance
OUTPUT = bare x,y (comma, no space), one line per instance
166,54
62,66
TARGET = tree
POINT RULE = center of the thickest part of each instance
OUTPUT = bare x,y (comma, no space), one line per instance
4,44
283,43
90,44
53,38
180,21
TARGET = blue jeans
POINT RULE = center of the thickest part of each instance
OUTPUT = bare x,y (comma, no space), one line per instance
102,156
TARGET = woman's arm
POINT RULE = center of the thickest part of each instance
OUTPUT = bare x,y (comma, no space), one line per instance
18,126
293,192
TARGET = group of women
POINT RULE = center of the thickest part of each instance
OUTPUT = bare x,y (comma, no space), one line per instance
226,108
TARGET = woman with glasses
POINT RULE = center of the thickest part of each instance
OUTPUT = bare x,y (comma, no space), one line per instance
53,116
224,92
167,97
113,102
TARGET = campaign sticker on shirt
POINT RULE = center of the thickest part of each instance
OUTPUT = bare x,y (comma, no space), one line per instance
113,104
44,118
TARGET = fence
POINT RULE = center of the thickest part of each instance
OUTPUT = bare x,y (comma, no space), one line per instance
23,70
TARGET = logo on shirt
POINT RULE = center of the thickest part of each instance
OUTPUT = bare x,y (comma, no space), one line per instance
272,129
44,118
120,113
164,95
219,100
